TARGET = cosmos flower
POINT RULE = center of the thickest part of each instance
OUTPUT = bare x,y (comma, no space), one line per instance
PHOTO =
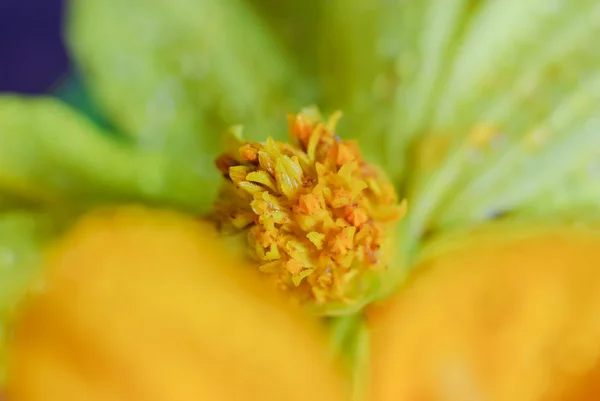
437,242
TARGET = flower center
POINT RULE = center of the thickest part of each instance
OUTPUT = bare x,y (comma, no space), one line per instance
317,215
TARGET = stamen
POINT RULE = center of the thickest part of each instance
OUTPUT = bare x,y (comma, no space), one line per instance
317,215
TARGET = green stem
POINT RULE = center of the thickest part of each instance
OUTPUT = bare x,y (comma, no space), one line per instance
361,363
349,341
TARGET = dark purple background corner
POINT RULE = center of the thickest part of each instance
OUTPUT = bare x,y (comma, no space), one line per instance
32,54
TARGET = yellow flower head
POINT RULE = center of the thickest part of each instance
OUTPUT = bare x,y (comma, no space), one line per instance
319,218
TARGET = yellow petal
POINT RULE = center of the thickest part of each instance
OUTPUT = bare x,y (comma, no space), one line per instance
144,305
497,317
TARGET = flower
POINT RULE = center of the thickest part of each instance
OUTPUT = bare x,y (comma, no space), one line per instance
483,115
320,220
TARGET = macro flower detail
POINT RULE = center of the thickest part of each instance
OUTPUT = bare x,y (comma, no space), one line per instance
484,115
319,218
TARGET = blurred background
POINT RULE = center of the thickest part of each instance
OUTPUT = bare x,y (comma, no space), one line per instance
32,54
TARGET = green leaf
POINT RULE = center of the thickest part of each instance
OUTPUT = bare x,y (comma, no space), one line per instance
22,238
72,91
578,200
51,156
519,112
350,51
383,62
295,24
361,44
175,74
423,68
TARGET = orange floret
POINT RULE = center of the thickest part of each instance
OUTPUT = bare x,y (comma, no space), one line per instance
356,216
293,266
249,152
309,203
301,127
344,155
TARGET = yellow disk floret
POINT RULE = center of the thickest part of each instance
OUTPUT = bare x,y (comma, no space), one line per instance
318,217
